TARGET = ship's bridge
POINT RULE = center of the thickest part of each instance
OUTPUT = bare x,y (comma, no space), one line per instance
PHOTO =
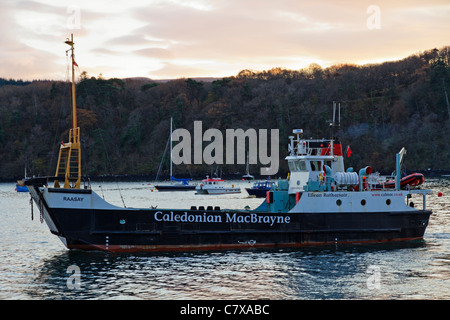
311,161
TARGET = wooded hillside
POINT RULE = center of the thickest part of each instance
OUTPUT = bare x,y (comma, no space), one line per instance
125,122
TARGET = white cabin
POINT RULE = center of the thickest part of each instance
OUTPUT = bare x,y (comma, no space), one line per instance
311,162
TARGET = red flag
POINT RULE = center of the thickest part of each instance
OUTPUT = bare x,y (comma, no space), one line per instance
349,152
75,64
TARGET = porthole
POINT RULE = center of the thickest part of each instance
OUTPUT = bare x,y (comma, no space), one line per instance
388,201
339,202
363,202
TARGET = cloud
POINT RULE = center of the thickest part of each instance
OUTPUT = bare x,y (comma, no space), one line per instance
255,34
157,53
171,70
32,39
138,39
16,57
174,38
231,33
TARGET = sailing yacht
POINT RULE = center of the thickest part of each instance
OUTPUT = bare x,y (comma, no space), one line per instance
176,184
247,175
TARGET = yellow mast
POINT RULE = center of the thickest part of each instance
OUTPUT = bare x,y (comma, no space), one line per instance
69,160
74,97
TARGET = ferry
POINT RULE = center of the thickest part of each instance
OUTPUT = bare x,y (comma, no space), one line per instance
321,203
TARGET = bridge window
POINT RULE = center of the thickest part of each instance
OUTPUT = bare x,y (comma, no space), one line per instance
301,166
291,166
316,165
297,165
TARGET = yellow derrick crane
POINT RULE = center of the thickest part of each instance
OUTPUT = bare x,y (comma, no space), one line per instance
69,160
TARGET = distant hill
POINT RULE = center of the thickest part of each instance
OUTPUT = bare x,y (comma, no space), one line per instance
125,122
5,82
201,79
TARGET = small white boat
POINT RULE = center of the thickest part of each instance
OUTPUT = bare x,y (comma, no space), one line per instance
215,186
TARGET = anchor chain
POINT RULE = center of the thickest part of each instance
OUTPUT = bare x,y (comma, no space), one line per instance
31,204
41,210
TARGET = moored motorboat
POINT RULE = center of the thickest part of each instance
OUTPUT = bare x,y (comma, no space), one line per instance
411,180
260,188
21,188
20,185
215,186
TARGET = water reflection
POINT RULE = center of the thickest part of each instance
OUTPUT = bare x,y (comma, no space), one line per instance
310,273
34,263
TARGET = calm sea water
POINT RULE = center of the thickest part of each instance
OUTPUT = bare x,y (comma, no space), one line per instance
34,264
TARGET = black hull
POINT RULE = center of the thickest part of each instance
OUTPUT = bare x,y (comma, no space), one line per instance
175,188
258,193
180,230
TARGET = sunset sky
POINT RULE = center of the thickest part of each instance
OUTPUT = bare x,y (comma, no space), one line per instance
163,39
